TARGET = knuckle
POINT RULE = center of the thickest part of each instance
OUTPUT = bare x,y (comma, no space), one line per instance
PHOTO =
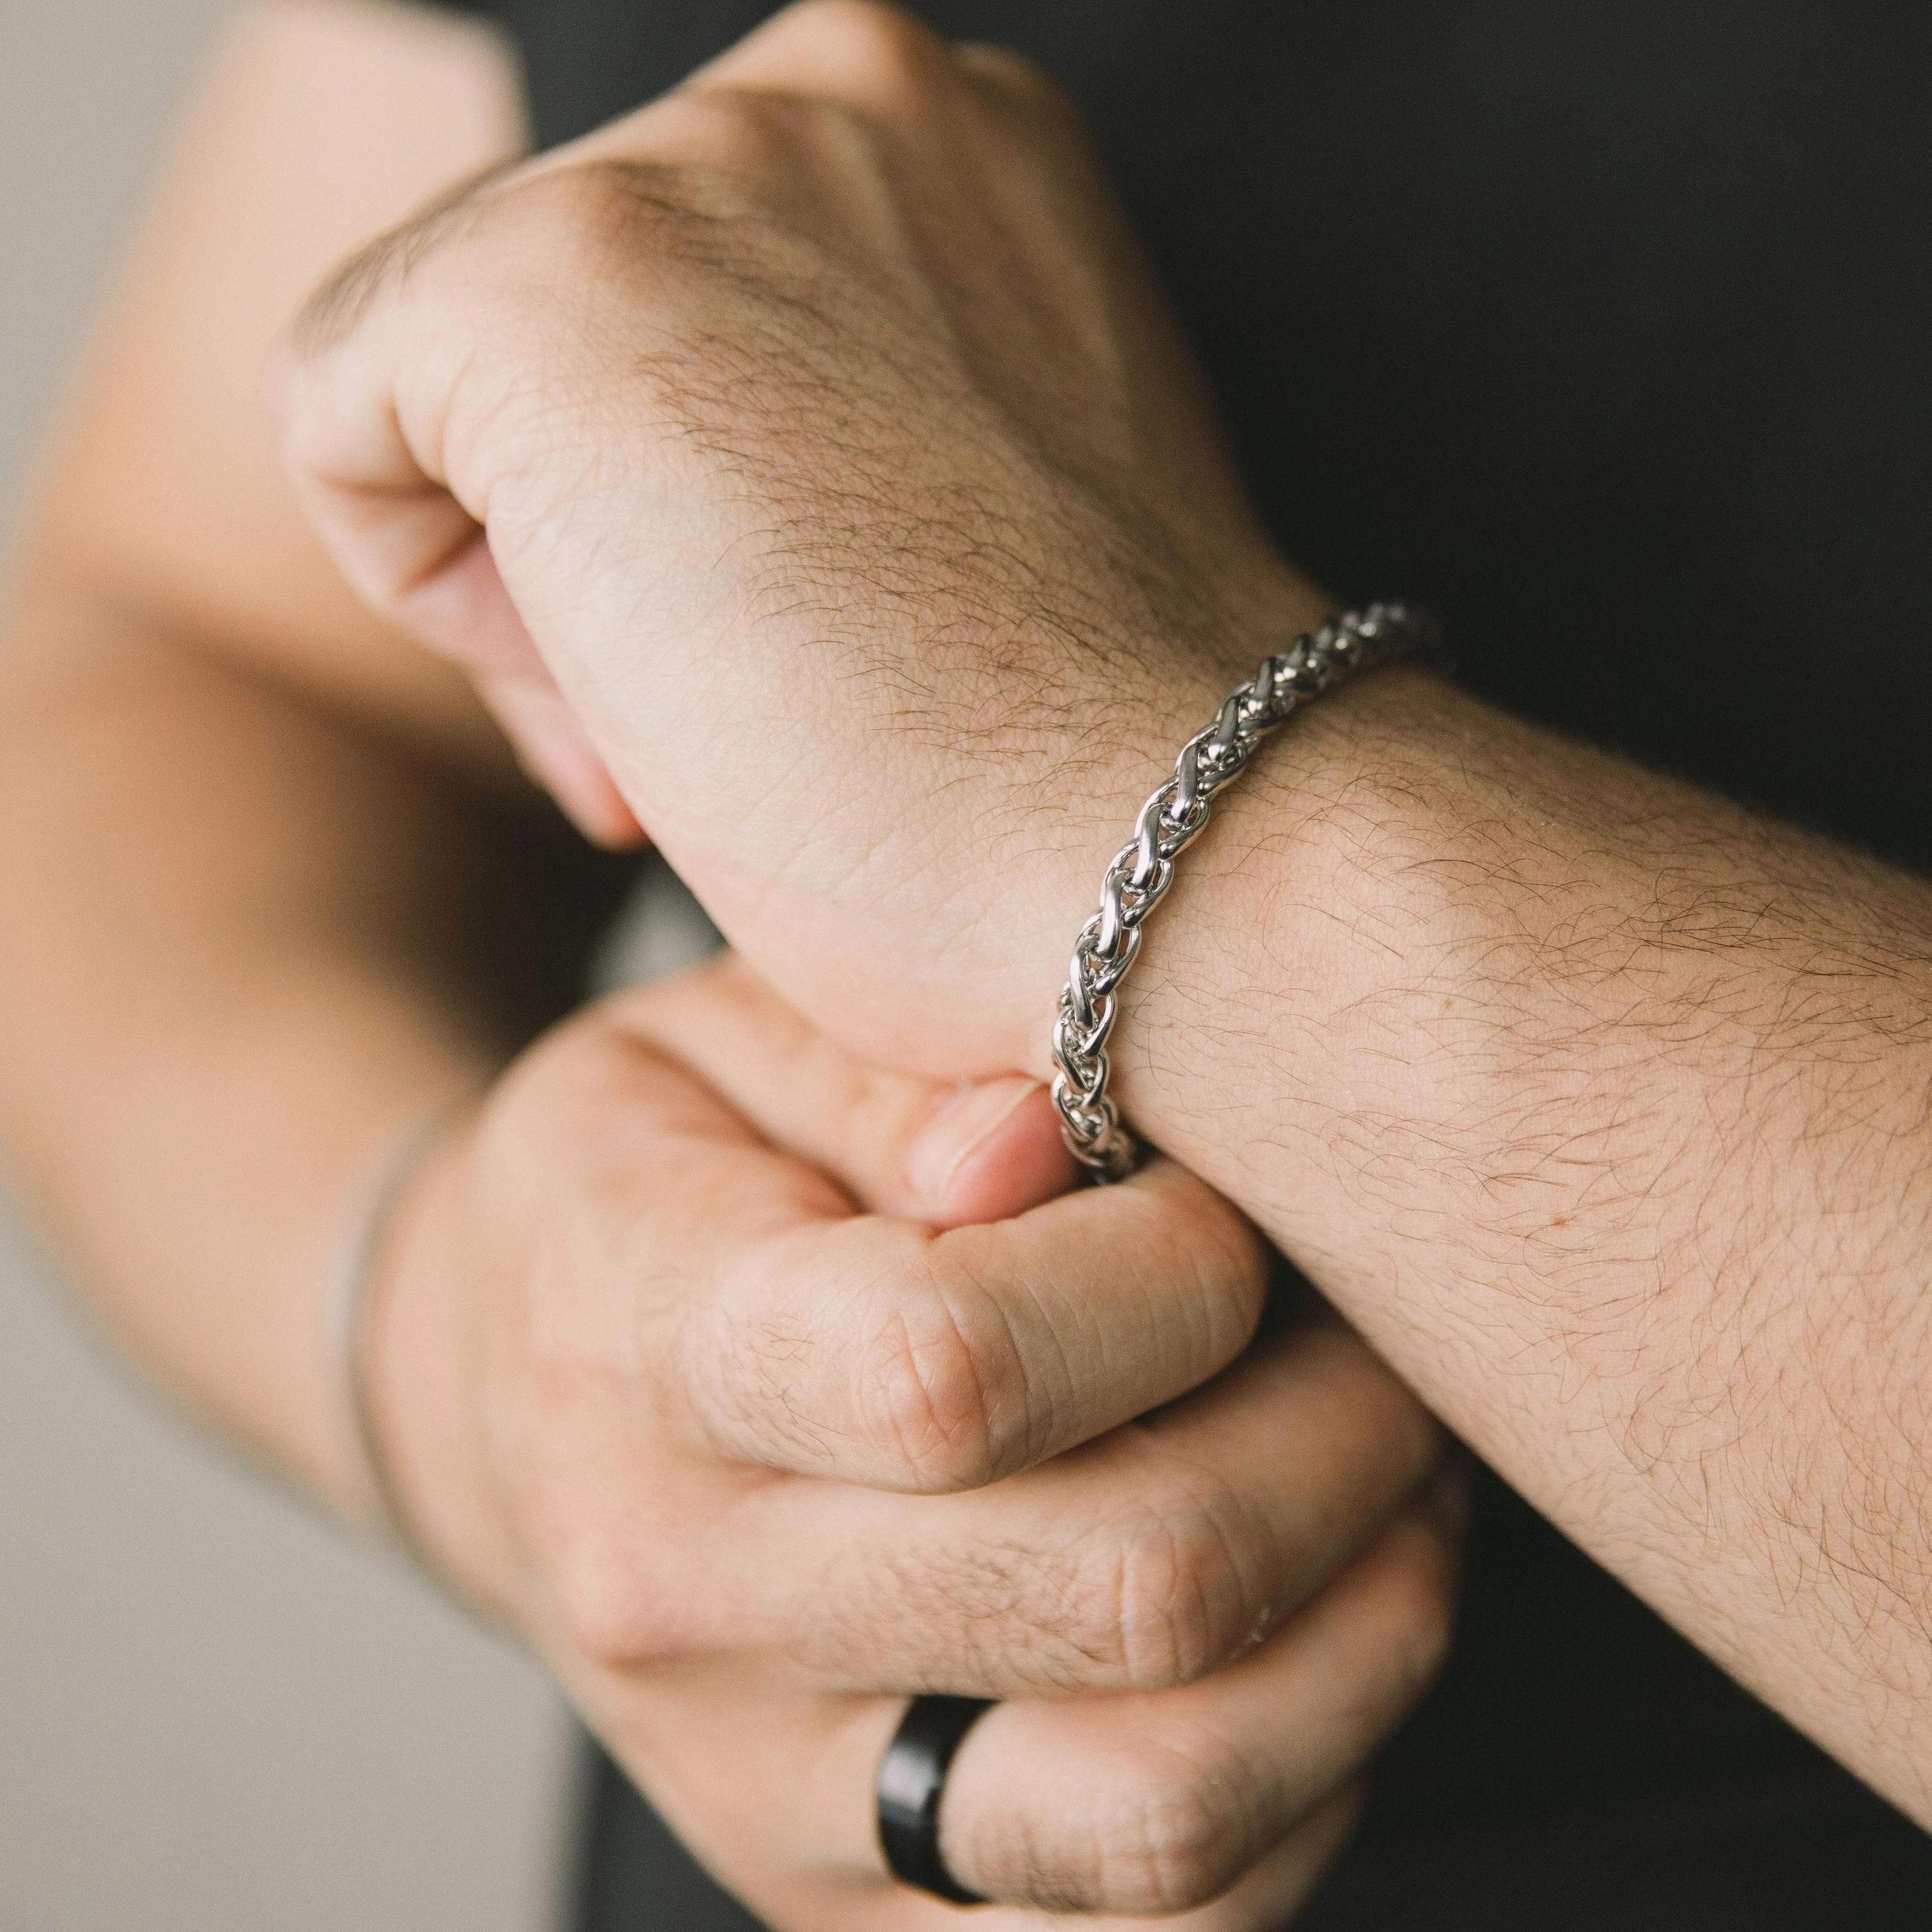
338,308
940,1395
736,131
540,1122
1185,1242
1165,1600
1024,80
877,43
599,207
530,1120
1197,1231
614,218
1421,1588
1230,1266
614,1607
1175,1832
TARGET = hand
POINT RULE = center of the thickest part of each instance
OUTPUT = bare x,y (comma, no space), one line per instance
678,1551
835,455
1540,1066
686,1368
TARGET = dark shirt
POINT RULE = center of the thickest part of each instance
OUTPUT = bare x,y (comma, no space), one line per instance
1603,329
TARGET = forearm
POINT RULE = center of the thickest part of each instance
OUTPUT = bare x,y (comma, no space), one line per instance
232,969
1592,1101
1601,1106
242,834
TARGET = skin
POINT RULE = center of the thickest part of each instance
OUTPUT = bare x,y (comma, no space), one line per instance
754,1384
1596,1103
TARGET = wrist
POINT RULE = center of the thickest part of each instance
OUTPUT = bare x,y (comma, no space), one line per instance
1299,926
1192,798
421,1365
1120,742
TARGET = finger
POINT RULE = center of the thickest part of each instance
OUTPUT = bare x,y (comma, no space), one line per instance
462,611
556,752
800,1337
948,1156
1022,92
1262,1900
1160,1803
1220,1801
878,59
772,1790
412,552
882,1353
1145,1560
375,409
790,1334
377,499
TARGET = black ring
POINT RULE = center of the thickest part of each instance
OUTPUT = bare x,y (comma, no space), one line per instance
912,1780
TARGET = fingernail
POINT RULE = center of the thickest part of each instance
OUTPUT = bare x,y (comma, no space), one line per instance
964,1122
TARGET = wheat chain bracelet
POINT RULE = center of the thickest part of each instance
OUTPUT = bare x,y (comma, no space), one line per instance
1138,879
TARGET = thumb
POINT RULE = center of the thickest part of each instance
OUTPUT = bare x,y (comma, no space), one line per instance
951,1156
988,1150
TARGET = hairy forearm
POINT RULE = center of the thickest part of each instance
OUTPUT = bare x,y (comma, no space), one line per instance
1602,1107
232,972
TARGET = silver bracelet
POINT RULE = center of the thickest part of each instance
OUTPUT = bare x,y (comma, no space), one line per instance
1138,879
346,1324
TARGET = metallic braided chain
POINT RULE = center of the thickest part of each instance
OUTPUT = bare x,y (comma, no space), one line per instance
1138,879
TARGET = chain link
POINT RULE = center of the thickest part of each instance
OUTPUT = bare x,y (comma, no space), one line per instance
1142,870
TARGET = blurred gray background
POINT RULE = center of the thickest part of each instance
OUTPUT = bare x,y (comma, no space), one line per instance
214,1715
